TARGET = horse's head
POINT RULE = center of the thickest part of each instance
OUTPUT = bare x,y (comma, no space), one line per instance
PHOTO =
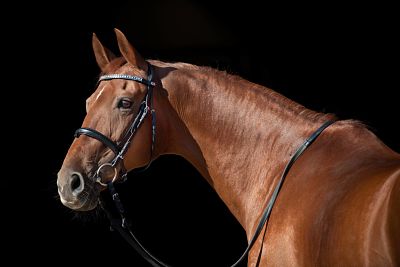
116,103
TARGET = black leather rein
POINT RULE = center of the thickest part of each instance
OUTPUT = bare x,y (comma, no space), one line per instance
121,225
119,149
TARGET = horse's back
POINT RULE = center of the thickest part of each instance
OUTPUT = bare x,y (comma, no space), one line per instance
340,206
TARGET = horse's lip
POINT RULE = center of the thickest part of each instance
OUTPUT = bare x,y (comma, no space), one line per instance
92,196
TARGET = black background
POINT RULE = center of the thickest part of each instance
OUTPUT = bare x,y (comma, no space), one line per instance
334,58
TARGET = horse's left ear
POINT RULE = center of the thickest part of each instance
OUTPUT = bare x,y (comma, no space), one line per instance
102,54
129,52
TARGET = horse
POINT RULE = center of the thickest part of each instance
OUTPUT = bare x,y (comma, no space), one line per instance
339,204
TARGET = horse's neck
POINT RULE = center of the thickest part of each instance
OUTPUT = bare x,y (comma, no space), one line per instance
237,134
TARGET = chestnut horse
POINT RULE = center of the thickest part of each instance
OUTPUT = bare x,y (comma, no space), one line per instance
339,205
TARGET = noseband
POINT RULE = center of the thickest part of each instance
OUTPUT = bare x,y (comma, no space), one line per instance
122,146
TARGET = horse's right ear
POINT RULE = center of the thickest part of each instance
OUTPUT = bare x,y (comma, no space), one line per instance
102,54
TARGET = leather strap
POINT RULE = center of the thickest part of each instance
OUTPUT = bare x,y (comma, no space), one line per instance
124,229
268,209
128,77
99,136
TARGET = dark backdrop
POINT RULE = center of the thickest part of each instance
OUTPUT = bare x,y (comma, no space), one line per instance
336,58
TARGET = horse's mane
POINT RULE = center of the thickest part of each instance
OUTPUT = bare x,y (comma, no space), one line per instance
237,83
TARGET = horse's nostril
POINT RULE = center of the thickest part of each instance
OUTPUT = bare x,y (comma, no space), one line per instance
76,184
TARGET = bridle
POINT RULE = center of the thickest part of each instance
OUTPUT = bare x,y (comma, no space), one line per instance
122,146
120,149
121,224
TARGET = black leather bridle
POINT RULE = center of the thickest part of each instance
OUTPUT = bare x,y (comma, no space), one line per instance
122,146
121,224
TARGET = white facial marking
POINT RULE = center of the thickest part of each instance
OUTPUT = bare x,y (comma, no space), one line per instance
101,91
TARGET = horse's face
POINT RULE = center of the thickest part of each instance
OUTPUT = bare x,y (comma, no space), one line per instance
110,110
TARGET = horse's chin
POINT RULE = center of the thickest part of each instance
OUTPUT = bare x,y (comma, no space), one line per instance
89,204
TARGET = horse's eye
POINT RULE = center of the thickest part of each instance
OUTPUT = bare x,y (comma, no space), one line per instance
124,104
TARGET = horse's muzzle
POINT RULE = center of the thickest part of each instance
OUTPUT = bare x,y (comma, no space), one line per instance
75,193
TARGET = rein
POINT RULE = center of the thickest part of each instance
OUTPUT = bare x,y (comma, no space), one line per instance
121,224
